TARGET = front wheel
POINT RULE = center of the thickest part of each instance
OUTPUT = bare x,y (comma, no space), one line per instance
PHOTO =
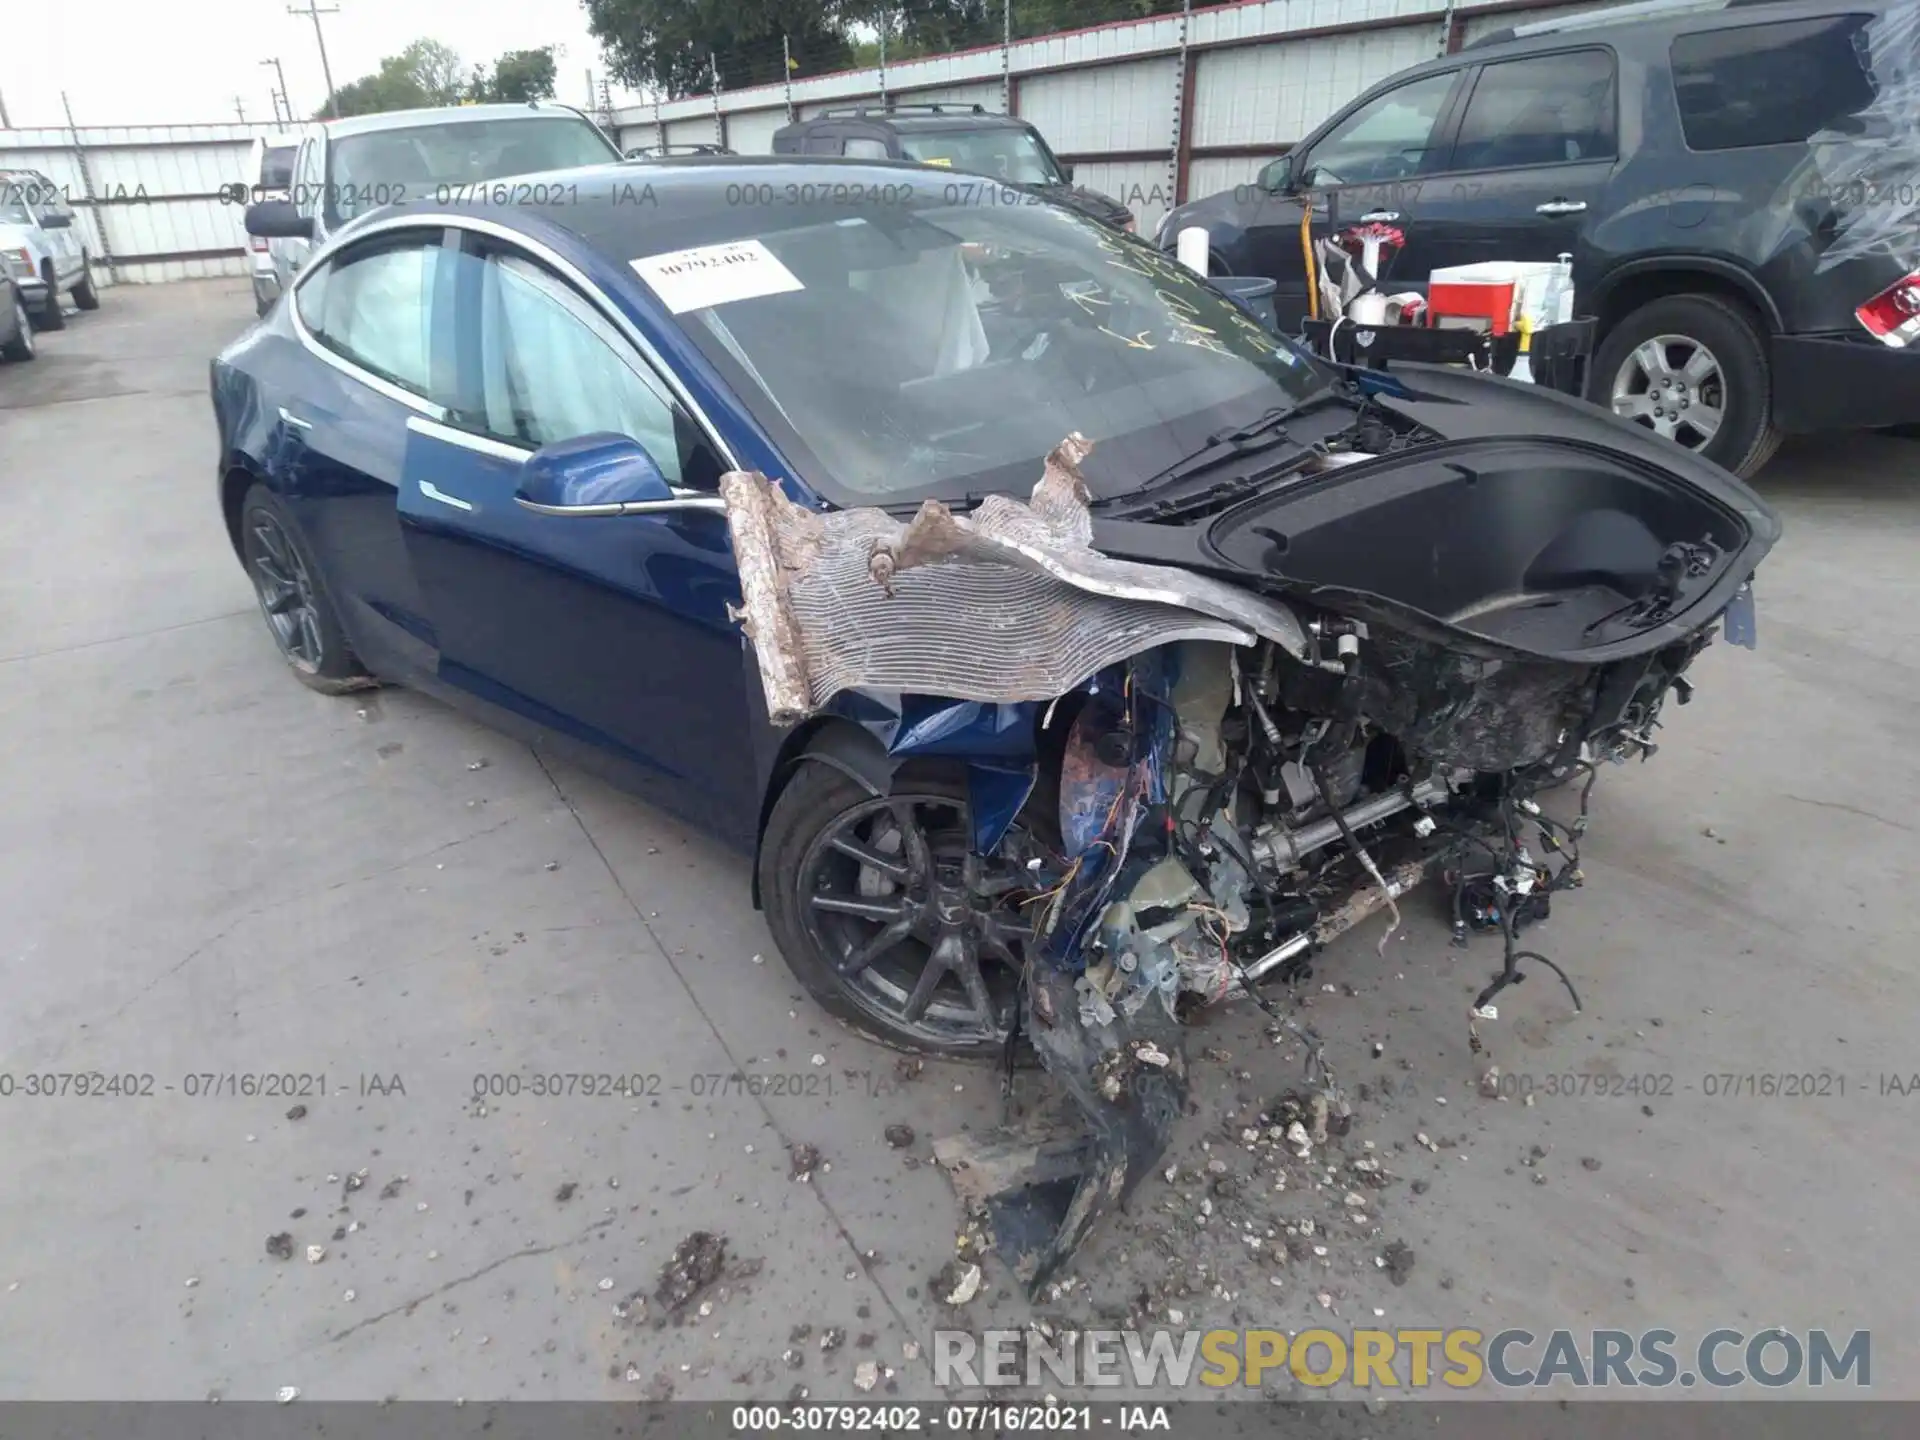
294,600
1692,368
52,317
886,917
84,295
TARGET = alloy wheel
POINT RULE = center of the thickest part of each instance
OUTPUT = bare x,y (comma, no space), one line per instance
1673,385
919,931
285,589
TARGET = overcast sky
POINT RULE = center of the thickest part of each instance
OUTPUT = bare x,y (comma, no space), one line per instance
134,62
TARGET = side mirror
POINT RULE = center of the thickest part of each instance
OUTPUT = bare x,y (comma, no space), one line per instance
278,220
1278,177
1066,173
603,474
56,219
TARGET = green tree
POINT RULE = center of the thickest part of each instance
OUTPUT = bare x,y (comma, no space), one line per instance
425,73
518,76
664,44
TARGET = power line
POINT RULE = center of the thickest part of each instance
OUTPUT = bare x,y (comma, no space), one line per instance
314,12
285,101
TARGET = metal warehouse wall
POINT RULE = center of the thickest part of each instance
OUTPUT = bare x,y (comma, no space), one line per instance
147,197
1154,111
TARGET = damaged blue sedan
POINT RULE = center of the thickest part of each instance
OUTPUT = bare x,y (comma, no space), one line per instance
1070,650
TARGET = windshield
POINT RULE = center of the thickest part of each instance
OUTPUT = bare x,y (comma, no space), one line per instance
968,340
385,167
13,206
1007,152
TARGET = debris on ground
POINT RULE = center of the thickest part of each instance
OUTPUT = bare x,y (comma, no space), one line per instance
1399,1257
352,1183
908,1068
802,1160
899,1136
315,1254
280,1246
391,1190
832,1338
1116,1068
566,1192
957,1283
298,1112
1588,1162
287,1394
866,1375
695,1264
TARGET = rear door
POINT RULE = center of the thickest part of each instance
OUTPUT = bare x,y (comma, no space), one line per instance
1529,164
371,357
609,631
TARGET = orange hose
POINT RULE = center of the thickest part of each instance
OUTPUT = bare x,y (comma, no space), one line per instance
1306,253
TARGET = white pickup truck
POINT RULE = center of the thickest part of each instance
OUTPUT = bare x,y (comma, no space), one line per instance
42,249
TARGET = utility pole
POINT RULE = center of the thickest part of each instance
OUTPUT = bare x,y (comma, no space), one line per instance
285,100
240,109
719,121
786,73
314,12
6,124
1006,56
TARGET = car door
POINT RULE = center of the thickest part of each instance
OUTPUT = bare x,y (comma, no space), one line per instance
610,631
373,330
1371,163
1530,161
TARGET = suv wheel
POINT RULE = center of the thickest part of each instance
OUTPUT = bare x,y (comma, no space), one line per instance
84,295
1694,369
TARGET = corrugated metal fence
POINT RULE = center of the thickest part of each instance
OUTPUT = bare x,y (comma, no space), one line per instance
1152,112
148,197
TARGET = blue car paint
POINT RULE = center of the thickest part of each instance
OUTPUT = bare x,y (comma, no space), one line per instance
609,636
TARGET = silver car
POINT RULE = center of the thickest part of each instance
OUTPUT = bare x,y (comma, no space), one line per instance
41,249
346,168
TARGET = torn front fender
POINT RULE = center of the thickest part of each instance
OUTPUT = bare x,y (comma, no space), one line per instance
1008,603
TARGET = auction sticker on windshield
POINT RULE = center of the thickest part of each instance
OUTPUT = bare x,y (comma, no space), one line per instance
715,274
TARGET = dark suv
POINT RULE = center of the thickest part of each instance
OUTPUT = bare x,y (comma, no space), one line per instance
965,138
1728,179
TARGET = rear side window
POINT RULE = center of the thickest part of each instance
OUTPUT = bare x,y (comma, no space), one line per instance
1770,84
867,149
1547,110
373,307
276,167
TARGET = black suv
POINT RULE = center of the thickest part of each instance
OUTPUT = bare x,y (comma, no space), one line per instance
965,138
1746,281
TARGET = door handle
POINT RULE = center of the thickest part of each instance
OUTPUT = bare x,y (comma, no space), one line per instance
289,418
434,492
1560,207
1382,217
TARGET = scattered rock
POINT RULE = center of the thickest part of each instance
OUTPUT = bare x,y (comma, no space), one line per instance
353,1182
1399,1257
832,1338
793,1359
1420,1187
908,1068
287,1394
391,1190
866,1375
339,1233
801,1162
566,1192
695,1264
280,1246
298,1112
899,1136
957,1283
1588,1162
315,1254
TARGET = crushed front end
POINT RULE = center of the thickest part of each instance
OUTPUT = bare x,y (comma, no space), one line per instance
1226,734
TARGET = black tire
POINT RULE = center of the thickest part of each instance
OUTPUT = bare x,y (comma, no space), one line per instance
288,582
814,804
1746,436
52,317
84,295
20,347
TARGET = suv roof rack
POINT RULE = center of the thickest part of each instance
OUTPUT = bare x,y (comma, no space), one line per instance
926,108
1612,15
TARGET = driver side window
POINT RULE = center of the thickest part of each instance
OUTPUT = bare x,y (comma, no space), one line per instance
553,368
1385,139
